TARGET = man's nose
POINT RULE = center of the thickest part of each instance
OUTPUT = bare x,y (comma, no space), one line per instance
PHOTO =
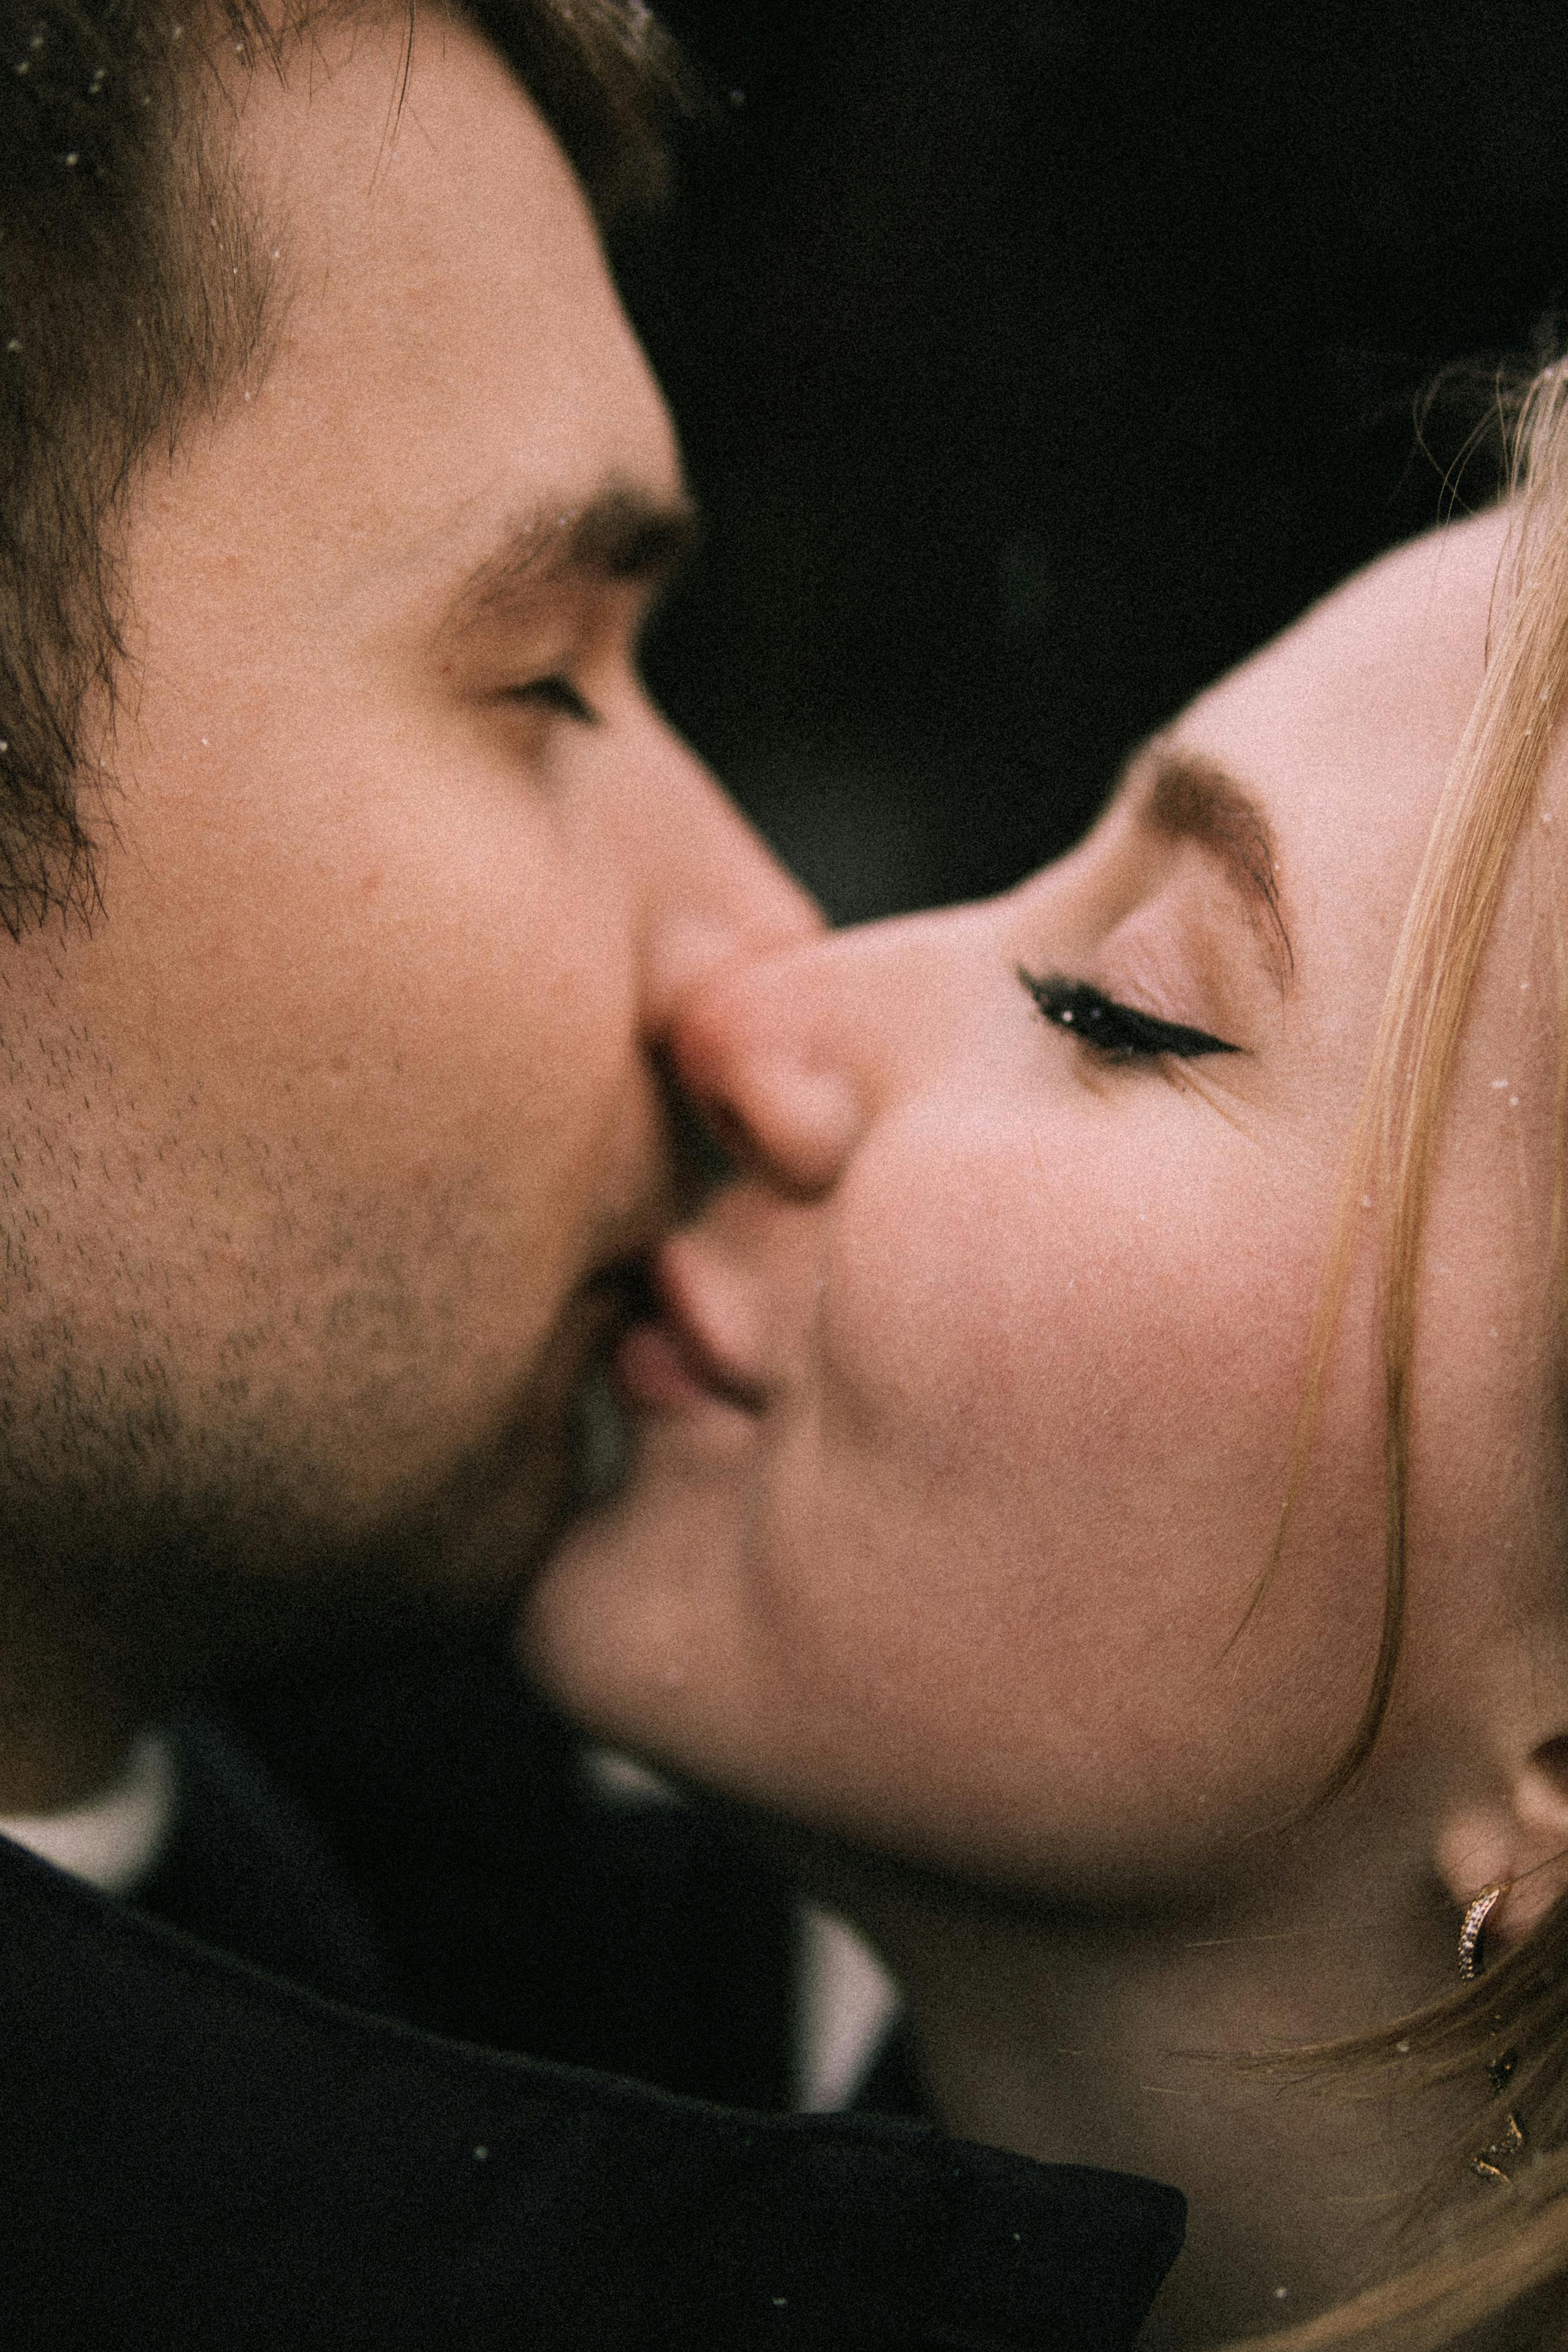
718,896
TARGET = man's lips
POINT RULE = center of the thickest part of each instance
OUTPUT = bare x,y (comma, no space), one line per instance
673,1360
586,1329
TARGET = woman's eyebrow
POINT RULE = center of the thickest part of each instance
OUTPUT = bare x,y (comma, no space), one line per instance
1189,798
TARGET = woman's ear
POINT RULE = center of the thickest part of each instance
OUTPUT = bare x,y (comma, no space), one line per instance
1517,1837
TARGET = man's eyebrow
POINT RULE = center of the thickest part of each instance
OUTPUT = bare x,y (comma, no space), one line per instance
1189,798
620,535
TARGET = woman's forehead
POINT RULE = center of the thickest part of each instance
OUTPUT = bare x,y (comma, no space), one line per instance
1345,727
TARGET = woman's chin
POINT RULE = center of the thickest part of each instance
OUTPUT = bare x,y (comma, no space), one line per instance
620,1626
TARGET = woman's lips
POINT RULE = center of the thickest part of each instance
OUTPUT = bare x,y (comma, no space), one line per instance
650,1370
668,1363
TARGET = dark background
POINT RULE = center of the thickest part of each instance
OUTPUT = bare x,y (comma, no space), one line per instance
1033,362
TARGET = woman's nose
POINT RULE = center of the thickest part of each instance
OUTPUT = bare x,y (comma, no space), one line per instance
761,1050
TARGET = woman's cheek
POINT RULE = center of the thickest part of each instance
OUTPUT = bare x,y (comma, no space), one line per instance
1023,1374
986,1309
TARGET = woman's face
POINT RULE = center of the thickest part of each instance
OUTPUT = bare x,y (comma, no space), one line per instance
962,1445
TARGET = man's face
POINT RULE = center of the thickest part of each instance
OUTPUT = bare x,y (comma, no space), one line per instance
319,1142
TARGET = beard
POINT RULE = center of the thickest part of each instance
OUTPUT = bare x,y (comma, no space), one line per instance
148,1563
261,1422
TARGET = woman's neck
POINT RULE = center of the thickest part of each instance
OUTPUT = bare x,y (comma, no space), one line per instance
1114,2041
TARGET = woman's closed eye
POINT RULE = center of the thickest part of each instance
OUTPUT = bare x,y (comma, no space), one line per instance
1116,1032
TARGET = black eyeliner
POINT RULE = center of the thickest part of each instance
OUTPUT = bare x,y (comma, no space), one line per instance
1118,1032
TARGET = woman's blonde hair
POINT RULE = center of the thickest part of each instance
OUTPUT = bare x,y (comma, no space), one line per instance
1501,2258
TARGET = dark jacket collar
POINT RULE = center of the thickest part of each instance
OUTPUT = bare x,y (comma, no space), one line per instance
193,2153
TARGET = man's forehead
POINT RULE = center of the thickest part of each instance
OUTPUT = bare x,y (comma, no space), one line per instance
388,132
460,405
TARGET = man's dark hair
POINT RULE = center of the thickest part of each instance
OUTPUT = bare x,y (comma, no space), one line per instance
134,289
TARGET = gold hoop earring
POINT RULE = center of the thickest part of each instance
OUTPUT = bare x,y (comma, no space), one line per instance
1472,1926
1491,2162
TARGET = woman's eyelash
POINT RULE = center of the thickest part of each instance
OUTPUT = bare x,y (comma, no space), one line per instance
1116,1032
558,693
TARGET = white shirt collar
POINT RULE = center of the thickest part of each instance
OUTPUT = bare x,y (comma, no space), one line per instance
113,1839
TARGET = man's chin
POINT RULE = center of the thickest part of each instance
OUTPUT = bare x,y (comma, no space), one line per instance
168,1603
246,1550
